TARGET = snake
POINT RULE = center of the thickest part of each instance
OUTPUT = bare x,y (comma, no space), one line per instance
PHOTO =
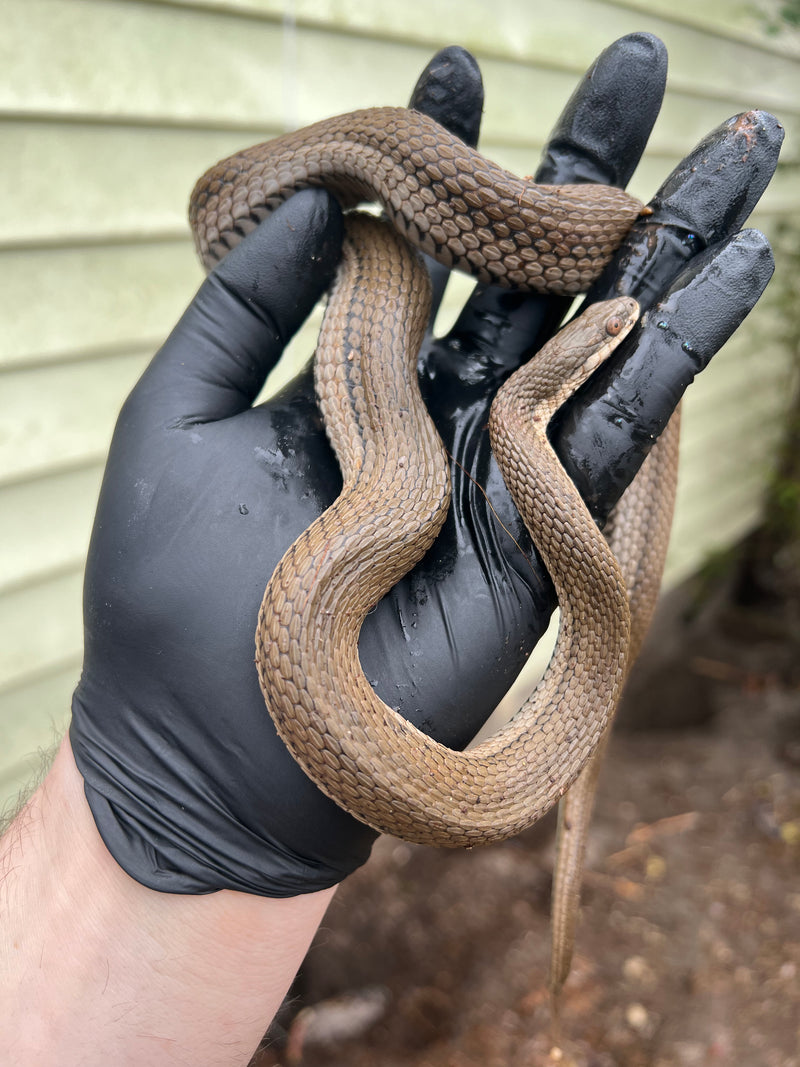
441,197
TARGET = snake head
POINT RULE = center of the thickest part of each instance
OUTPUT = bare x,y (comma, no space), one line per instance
603,326
566,361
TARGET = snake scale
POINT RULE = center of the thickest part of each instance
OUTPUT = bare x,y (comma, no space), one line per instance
450,202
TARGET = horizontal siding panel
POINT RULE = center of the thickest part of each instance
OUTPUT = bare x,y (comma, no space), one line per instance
133,59
733,450
733,421
737,489
87,306
750,366
55,303
781,198
714,464
42,628
749,22
114,182
723,439
766,404
219,70
137,180
213,69
62,416
746,367
733,501
693,543
45,524
567,35
98,297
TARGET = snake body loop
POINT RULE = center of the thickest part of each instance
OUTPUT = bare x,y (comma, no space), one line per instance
469,213
450,202
358,750
442,195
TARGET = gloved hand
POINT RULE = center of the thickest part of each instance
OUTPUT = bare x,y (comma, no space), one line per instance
189,785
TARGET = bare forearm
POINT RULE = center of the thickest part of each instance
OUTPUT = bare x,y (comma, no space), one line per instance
98,969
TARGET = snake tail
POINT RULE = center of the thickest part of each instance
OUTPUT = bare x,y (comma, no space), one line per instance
638,534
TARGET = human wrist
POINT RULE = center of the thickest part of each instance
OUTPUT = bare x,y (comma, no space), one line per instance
154,977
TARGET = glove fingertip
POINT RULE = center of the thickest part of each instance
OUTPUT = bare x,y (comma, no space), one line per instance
604,128
450,91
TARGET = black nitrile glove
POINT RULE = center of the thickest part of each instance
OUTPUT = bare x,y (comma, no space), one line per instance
189,785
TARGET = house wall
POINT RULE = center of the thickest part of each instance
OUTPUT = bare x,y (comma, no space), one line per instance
109,110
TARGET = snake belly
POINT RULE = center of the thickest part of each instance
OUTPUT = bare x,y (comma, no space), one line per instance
469,214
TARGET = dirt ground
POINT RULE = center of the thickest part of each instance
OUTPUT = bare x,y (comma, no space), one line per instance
688,951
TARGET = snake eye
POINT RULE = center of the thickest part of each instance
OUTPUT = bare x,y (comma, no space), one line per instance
614,325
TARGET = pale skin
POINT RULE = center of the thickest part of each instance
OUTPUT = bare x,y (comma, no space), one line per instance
98,969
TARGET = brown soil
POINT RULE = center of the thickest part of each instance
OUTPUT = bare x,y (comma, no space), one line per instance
688,950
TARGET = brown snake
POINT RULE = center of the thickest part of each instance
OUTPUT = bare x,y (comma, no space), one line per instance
468,213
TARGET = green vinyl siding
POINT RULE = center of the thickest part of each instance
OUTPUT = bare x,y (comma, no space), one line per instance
110,109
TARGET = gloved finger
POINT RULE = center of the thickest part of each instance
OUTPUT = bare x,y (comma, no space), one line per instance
599,137
604,440
215,362
606,124
707,197
450,91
